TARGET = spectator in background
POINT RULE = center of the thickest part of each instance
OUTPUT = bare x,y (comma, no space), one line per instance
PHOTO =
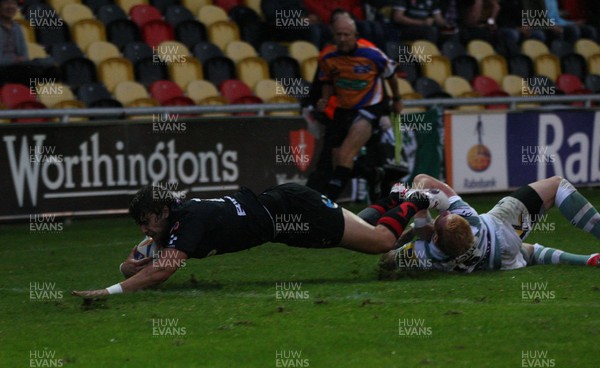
478,20
571,31
15,66
419,19
511,24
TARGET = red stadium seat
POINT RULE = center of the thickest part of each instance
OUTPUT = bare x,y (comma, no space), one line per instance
143,13
30,105
157,31
570,84
227,5
165,90
244,100
497,106
233,89
179,101
485,86
13,94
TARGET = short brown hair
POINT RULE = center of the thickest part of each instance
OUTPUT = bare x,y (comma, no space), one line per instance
456,237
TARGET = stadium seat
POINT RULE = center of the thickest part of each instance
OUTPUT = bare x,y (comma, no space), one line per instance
412,96
91,93
427,87
238,50
472,94
409,71
586,47
592,82
172,52
255,5
247,100
30,105
165,90
403,85
251,70
136,51
308,68
111,12
49,36
126,5
480,49
13,94
108,103
534,48
222,32
521,65
198,90
574,64
570,84
270,50
283,99
547,65
126,92
115,70
452,49
59,4
87,31
177,14
95,5
561,48
457,86
233,89
78,71
35,51
209,14
74,12
156,32
190,33
122,32
437,69
163,5
204,51
267,89
284,67
243,15
148,71
302,50
185,72
51,95
180,101
98,51
143,102
71,104
541,85
485,86
218,69
513,84
195,5
594,64
227,5
465,66
65,51
494,66
425,47
392,49
143,13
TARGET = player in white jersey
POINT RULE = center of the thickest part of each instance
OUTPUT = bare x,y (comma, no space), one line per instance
462,240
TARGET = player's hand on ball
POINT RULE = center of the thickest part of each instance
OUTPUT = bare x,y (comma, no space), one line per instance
90,293
132,266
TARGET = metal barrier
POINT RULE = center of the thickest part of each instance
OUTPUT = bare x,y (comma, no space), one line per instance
262,109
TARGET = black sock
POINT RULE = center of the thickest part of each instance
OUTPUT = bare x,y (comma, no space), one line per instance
339,179
398,217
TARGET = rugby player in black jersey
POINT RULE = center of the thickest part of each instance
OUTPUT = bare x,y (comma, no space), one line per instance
198,228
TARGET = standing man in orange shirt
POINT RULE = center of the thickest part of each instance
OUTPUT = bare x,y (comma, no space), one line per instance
353,72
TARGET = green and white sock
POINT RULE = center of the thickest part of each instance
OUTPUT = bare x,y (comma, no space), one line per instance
547,255
577,209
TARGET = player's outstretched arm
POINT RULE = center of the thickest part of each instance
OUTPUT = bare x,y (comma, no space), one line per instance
161,269
131,266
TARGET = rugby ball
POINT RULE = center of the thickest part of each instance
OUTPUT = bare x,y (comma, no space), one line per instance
146,248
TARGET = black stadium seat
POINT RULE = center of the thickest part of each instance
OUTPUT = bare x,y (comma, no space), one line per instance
452,49
136,51
91,93
78,71
592,82
520,65
95,5
176,14
218,69
206,50
122,32
270,50
109,13
428,87
48,36
284,67
574,64
163,5
561,48
190,33
62,52
465,66
148,72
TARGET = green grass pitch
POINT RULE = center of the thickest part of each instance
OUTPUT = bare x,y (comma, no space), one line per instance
224,311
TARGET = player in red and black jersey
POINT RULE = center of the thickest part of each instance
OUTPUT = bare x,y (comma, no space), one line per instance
290,213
